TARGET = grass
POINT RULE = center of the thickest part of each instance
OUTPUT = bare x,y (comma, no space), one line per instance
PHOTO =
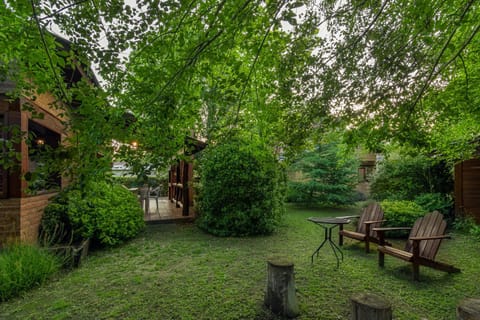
179,272
23,267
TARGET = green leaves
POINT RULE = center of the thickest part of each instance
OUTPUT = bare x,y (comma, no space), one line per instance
240,189
323,176
109,214
283,70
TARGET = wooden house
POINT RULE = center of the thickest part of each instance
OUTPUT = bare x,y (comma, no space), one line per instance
21,212
181,177
366,169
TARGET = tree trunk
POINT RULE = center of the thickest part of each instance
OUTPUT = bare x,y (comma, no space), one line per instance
367,306
280,297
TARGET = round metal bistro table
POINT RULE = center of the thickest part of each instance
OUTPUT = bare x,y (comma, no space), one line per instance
328,224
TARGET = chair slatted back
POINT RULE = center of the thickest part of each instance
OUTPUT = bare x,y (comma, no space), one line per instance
432,224
373,212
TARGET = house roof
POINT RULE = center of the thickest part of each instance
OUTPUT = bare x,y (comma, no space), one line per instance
70,75
74,75
193,145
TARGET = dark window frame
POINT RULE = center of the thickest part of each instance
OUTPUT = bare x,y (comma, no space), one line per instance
51,139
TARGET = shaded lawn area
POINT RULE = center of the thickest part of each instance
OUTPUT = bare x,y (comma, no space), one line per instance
179,272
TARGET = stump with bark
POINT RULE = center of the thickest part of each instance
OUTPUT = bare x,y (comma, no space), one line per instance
280,296
469,309
367,306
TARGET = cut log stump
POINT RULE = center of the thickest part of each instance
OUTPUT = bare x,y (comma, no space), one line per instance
280,296
469,309
367,306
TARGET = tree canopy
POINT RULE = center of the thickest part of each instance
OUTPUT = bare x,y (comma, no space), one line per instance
387,71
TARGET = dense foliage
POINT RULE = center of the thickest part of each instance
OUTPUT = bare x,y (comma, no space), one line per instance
407,177
436,201
23,267
414,62
401,213
105,213
285,69
134,182
323,176
467,225
240,190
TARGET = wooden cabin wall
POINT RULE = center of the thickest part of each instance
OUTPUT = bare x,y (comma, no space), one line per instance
467,189
180,189
20,213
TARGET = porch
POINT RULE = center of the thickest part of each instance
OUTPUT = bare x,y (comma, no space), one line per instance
166,212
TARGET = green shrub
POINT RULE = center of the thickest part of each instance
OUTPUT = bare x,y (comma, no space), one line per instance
435,201
117,214
475,231
241,190
406,178
401,213
23,267
106,213
467,225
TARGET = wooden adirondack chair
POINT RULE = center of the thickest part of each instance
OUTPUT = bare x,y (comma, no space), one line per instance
371,217
422,245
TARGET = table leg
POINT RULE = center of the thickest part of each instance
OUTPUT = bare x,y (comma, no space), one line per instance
323,242
328,238
340,236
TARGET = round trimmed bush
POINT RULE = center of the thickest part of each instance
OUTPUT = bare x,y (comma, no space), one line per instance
401,213
241,189
106,213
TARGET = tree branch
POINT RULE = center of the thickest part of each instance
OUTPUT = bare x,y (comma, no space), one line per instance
257,56
50,60
432,74
62,9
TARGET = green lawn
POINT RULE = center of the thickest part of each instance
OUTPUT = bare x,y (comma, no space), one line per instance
179,272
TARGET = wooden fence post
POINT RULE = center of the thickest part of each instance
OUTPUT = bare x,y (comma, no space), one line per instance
367,306
280,296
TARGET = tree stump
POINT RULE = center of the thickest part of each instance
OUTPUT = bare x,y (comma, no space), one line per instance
280,296
367,306
469,309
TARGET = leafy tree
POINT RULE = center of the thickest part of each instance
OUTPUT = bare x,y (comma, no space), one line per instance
408,177
386,70
324,176
240,190
401,71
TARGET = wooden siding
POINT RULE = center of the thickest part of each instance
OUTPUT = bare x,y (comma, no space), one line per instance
467,189
180,189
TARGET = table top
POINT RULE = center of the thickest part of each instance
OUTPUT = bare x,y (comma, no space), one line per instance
328,220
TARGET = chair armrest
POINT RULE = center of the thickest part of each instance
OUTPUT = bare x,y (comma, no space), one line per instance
373,221
444,236
349,217
392,229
